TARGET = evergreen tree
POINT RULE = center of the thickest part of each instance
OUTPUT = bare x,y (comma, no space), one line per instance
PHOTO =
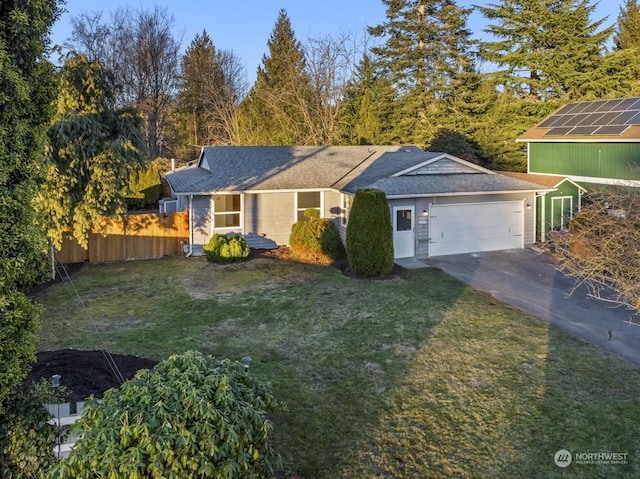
366,111
279,107
27,89
211,86
628,31
547,48
427,51
92,149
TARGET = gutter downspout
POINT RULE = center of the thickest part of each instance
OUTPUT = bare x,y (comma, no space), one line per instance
190,226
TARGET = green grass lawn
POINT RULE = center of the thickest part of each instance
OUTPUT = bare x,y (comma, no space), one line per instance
417,376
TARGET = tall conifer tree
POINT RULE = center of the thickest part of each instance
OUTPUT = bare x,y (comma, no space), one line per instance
546,49
428,52
279,107
628,30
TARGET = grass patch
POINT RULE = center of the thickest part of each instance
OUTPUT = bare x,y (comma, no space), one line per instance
415,376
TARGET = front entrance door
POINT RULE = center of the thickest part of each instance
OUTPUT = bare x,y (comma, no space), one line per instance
404,241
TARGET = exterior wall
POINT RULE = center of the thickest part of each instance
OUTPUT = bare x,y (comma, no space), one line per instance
201,217
545,217
331,205
591,160
271,214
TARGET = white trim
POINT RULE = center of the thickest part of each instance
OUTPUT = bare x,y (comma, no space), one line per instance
469,193
438,158
604,181
239,213
562,199
296,210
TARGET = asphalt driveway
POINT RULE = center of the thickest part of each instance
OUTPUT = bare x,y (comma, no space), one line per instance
528,280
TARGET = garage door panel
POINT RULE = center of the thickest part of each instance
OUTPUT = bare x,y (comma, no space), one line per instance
475,227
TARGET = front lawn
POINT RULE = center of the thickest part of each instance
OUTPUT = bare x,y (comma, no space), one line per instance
416,376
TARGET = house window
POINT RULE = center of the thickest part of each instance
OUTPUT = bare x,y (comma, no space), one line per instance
226,211
307,199
345,208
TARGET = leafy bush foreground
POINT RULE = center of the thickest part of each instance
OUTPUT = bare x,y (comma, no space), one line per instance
190,416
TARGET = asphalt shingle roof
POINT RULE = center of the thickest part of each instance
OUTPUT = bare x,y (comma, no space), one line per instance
344,168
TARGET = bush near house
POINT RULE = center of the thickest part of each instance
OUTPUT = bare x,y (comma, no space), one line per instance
370,234
190,416
226,248
315,238
144,188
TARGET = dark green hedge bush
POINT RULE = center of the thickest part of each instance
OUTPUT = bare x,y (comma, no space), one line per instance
315,237
370,234
144,189
226,248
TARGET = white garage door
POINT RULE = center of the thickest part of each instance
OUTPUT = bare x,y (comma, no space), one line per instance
475,227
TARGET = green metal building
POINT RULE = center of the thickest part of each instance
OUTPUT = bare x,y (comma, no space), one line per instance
584,144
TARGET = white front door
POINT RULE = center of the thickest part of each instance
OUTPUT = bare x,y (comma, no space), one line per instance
404,242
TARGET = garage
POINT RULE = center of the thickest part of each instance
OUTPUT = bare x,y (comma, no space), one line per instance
475,227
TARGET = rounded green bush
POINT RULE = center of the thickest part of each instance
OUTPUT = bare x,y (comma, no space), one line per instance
369,241
190,416
226,248
315,236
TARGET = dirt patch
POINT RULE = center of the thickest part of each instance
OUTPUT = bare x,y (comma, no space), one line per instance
86,373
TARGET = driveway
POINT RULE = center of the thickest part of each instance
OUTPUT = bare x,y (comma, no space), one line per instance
527,280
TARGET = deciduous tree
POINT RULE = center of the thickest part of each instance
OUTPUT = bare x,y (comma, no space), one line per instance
602,250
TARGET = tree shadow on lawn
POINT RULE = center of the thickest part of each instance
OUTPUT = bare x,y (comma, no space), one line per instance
494,392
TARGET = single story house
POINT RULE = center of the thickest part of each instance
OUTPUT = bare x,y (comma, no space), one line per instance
439,204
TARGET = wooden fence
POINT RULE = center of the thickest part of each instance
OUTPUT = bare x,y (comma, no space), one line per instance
129,237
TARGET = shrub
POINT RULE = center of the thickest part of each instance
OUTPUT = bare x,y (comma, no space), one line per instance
315,238
144,188
226,248
26,439
369,241
187,417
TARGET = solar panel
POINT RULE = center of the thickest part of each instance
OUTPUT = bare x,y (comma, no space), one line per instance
601,117
580,107
592,107
590,119
583,130
635,120
565,120
611,129
559,131
626,104
567,108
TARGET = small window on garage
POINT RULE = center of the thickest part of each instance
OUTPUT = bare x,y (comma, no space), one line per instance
307,199
226,211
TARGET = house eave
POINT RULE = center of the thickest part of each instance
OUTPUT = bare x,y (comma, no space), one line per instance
468,193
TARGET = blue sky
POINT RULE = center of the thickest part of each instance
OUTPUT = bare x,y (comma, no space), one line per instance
244,26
